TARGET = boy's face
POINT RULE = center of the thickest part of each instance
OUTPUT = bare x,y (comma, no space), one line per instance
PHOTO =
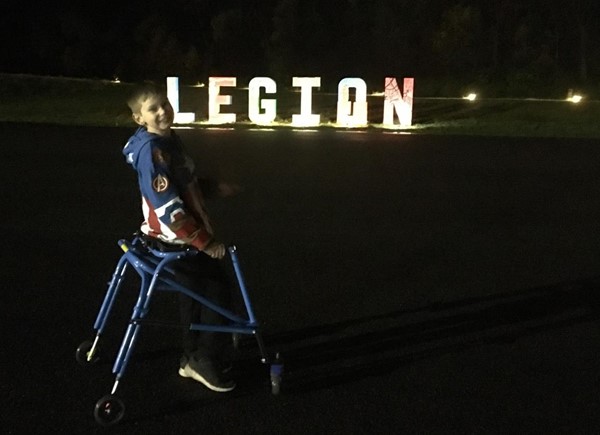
156,114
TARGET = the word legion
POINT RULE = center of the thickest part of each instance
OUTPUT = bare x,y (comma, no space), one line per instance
352,103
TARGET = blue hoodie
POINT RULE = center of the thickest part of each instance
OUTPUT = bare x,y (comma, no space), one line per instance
172,202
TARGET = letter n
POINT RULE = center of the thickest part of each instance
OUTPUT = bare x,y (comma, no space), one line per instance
399,102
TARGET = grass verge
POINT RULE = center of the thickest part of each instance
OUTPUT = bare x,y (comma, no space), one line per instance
64,101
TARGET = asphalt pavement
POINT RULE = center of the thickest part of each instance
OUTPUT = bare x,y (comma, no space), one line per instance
414,284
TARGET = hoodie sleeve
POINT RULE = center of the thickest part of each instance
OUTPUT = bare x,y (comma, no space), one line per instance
164,208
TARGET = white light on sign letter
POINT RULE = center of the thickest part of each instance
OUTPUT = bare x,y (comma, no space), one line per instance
349,114
399,102
306,118
215,100
255,104
173,96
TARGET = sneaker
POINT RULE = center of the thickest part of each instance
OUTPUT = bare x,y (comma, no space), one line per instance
205,373
223,365
226,367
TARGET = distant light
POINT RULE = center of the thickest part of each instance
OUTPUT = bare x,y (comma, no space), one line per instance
471,97
116,80
199,85
575,98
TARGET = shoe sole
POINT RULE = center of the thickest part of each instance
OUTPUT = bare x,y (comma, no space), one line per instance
203,381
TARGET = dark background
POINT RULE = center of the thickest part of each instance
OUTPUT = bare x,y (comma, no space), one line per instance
510,48
414,284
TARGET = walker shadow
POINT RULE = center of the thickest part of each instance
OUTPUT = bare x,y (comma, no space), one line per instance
334,354
327,355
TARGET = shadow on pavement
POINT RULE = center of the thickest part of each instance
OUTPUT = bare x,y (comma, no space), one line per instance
333,354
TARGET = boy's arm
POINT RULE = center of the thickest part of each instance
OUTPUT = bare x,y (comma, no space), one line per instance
212,189
209,188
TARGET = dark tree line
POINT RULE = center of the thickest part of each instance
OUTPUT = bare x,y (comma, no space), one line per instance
529,42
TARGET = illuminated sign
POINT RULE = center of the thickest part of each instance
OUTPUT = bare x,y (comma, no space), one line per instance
255,104
352,114
397,103
173,96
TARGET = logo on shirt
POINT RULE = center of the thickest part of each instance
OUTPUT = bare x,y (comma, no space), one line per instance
160,183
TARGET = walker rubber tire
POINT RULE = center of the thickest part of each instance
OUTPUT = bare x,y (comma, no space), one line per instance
109,410
235,340
276,375
275,386
82,354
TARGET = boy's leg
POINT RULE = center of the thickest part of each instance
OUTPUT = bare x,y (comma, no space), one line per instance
204,351
205,343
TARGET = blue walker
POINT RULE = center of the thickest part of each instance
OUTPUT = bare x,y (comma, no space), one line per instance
153,267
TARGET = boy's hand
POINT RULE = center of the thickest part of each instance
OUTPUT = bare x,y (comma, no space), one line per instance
228,189
215,250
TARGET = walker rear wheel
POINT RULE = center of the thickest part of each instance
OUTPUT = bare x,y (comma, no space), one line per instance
83,355
109,410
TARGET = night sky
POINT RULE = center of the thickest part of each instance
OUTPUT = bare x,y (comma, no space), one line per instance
38,38
534,40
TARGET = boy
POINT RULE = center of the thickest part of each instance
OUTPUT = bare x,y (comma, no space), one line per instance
175,216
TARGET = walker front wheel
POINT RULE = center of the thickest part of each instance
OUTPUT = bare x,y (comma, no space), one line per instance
84,355
109,410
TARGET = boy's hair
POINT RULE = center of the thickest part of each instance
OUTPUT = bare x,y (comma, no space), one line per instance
141,92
